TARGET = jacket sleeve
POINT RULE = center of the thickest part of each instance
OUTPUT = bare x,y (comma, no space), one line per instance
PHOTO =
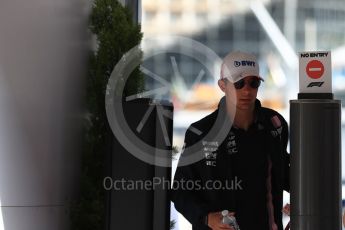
285,138
185,192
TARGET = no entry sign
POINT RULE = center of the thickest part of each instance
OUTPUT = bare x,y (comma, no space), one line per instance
315,72
315,69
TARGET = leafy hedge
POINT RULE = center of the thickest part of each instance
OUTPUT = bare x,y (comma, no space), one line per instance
116,33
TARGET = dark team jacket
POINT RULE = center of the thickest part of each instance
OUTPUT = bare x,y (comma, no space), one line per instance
216,163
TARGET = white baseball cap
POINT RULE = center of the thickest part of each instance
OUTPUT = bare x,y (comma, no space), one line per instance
238,65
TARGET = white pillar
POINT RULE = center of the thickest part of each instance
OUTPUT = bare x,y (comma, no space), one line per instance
43,50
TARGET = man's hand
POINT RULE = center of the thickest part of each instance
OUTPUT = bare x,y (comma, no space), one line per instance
215,221
286,209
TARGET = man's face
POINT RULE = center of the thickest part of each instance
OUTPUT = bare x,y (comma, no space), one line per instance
244,91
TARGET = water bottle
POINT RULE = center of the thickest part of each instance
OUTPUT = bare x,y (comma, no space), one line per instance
230,220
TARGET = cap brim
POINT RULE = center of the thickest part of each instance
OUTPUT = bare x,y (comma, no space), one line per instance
249,74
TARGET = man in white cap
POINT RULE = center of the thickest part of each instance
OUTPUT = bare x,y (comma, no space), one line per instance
251,157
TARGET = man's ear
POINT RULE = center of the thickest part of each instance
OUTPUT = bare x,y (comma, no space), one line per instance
222,85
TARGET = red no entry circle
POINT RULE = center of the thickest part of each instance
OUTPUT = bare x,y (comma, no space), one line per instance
315,69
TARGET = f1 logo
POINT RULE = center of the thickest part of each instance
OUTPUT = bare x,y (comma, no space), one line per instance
316,83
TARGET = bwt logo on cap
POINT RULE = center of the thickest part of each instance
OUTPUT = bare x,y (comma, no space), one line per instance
244,63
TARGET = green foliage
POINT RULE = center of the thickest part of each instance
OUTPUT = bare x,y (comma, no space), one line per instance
116,34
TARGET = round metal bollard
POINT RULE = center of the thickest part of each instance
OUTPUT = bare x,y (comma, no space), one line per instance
315,170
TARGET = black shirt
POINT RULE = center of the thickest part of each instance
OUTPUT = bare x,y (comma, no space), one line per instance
249,164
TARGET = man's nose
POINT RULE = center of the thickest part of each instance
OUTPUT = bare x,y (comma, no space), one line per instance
246,89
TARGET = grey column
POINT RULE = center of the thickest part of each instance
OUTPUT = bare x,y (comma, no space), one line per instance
134,6
142,207
315,170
